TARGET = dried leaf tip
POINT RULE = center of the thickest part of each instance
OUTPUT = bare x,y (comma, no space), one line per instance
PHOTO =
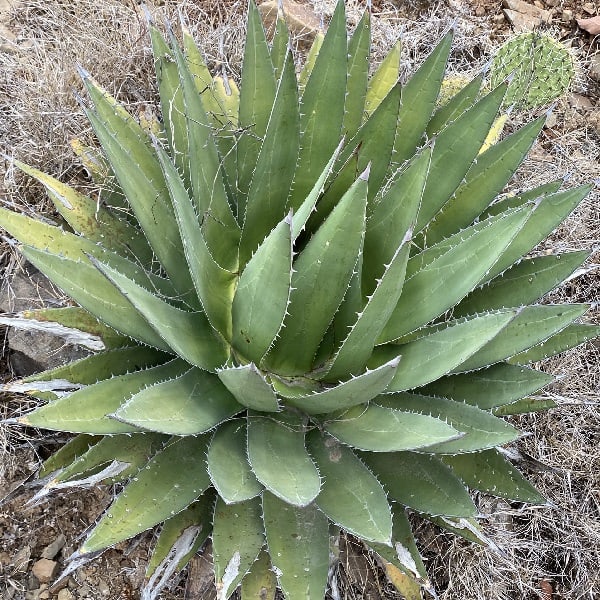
365,174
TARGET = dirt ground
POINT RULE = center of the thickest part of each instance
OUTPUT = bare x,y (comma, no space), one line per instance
545,553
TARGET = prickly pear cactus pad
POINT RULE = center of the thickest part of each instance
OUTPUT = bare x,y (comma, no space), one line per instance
313,304
540,69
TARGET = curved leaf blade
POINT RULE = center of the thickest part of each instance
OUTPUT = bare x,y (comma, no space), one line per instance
351,496
280,461
175,477
228,464
249,387
186,405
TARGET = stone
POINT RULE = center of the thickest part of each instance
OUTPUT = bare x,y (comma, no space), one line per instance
480,11
589,8
566,16
523,16
302,21
581,102
33,351
65,594
44,569
51,550
552,3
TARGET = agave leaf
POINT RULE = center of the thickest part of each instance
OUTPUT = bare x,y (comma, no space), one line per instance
95,293
351,496
68,453
228,465
358,345
249,387
321,276
174,477
448,278
494,386
92,220
456,147
76,317
127,148
171,103
189,334
311,59
490,472
257,96
532,325
238,537
91,369
404,553
260,583
358,75
322,108
214,285
466,528
196,520
384,79
455,107
186,405
303,213
85,410
481,429
280,461
569,337
483,182
370,148
352,392
298,541
220,228
524,406
272,177
109,194
382,429
421,482
429,357
393,216
524,283
280,44
262,296
549,213
419,97
54,240
205,86
132,451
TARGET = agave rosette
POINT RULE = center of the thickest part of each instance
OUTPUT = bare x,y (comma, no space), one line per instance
314,310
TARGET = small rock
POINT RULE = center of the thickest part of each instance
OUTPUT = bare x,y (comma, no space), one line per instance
552,3
566,16
51,550
551,120
538,4
498,19
103,587
580,101
65,594
521,21
589,8
480,11
527,9
44,569
45,595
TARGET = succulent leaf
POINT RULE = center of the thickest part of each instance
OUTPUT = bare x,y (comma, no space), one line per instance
238,537
280,461
298,542
351,496
131,512
228,465
433,488
186,405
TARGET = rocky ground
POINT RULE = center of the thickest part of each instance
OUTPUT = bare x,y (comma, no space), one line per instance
547,553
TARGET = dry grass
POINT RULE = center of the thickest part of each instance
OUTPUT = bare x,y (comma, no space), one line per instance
40,115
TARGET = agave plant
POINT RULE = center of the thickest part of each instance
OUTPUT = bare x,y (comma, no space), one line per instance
314,310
